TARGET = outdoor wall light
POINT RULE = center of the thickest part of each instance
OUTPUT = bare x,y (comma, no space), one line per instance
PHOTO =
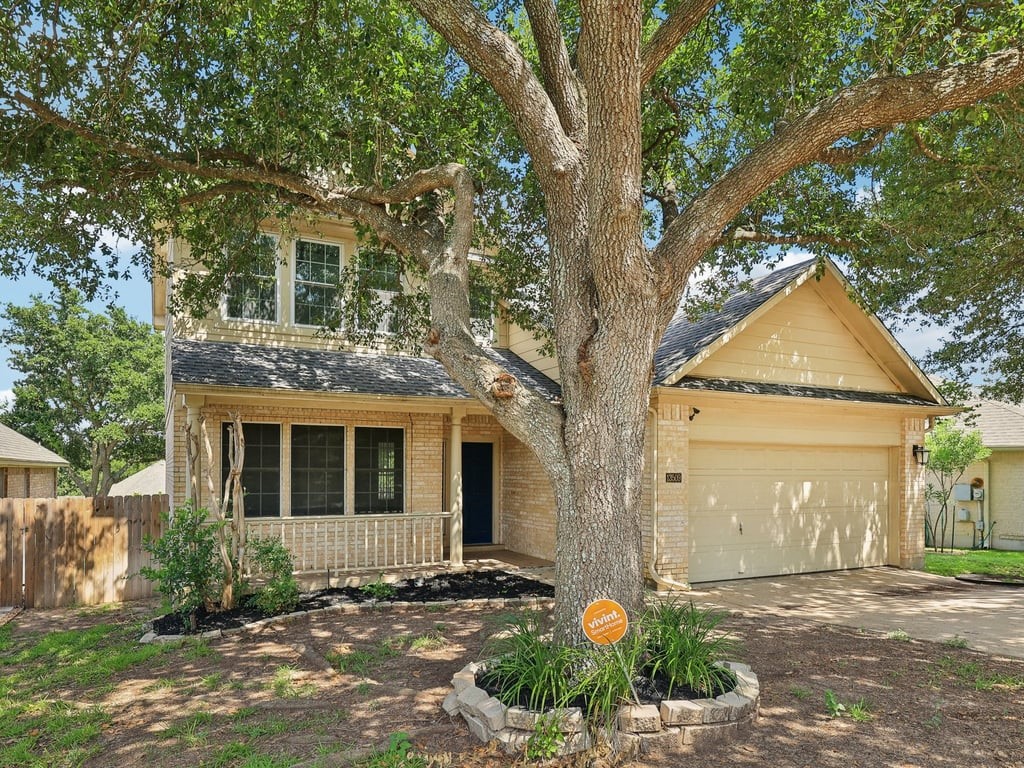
921,455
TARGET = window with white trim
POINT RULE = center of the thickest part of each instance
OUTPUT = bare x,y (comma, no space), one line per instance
317,273
481,307
254,296
379,274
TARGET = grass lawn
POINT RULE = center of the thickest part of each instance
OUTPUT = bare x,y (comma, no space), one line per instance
990,561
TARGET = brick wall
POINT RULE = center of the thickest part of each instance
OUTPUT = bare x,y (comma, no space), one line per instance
424,448
31,482
527,502
910,478
673,449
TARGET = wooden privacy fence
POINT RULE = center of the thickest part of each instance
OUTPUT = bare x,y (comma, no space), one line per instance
75,550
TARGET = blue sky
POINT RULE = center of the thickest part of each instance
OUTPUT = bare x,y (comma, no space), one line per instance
133,295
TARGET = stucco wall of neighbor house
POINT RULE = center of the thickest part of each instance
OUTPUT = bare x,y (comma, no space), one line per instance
31,482
527,502
1006,505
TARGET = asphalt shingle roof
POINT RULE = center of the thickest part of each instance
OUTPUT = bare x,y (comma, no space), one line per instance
1001,424
17,449
256,366
798,390
685,338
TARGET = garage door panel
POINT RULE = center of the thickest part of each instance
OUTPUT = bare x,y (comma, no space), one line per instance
765,510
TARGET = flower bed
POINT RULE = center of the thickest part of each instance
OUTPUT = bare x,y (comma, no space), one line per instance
674,724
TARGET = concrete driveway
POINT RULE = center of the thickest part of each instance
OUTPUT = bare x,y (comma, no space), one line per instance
927,607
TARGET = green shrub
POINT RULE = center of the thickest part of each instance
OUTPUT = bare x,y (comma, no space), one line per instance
281,592
379,589
189,571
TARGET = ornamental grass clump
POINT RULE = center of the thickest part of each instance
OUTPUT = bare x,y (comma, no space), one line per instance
684,644
673,650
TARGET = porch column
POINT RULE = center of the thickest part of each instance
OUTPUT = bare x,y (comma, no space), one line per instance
455,486
193,405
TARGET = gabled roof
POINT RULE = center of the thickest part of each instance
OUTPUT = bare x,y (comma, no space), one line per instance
1001,424
256,366
148,481
686,344
18,450
685,339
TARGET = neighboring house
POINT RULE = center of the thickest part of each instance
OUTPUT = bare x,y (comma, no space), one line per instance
1001,478
149,481
781,432
27,470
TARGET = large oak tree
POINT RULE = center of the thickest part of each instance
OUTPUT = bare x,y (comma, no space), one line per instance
601,152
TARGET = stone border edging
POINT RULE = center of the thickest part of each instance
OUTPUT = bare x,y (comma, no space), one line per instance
675,724
387,605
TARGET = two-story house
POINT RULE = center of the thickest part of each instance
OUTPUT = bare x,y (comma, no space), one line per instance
784,429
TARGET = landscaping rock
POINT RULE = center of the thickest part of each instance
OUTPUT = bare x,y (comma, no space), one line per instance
639,718
492,712
682,712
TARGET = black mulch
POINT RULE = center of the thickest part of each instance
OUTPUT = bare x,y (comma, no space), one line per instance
440,588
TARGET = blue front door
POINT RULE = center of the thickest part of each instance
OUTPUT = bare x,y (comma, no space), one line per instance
477,498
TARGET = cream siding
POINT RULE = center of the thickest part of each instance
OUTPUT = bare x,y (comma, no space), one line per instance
523,343
799,341
1006,505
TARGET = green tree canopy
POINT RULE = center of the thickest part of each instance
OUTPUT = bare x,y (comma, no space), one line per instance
600,153
951,451
91,388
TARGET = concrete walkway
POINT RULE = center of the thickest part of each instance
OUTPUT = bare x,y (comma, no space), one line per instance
926,607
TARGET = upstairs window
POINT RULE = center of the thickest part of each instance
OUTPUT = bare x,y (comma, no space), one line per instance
379,273
481,307
317,273
254,296
261,469
379,471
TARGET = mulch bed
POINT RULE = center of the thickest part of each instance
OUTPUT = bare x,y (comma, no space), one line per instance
470,585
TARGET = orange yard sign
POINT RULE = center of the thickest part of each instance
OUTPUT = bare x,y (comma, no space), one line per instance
605,622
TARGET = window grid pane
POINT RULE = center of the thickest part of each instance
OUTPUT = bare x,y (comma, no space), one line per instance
379,470
254,297
318,470
317,272
261,471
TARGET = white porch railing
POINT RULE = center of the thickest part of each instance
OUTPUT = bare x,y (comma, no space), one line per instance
356,542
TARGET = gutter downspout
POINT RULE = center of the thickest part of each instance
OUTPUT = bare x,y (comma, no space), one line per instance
662,582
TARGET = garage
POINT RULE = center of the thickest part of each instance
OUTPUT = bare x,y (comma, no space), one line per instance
761,510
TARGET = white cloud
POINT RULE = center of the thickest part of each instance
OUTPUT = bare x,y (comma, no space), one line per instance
6,396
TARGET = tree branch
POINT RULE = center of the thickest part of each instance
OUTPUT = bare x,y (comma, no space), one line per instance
853,153
874,104
556,69
753,236
666,39
495,56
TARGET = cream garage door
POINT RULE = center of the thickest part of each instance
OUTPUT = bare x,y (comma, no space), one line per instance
766,510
